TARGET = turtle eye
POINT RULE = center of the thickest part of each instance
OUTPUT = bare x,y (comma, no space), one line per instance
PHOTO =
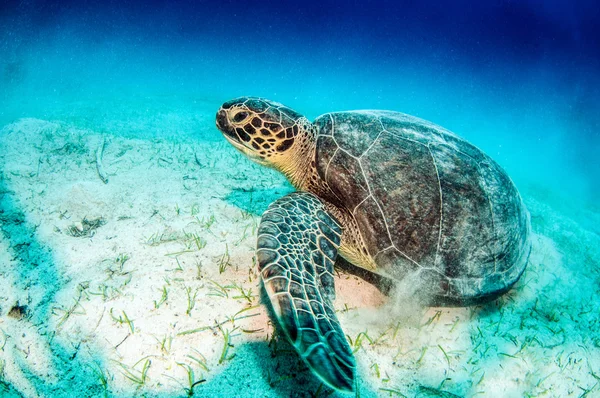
240,117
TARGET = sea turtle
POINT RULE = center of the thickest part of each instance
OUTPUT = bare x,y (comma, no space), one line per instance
393,194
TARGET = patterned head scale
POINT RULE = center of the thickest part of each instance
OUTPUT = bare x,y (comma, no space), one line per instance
259,128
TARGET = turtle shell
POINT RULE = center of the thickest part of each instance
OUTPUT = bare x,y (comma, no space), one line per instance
427,203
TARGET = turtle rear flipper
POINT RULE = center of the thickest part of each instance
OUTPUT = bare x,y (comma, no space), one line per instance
297,246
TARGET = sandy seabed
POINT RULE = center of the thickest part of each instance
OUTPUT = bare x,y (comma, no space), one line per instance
146,286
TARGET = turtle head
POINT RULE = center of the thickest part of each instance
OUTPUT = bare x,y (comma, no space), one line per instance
265,131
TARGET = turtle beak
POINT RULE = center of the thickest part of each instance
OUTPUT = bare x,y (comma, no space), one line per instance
228,130
223,124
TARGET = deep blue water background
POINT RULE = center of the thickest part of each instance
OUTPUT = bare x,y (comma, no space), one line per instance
520,79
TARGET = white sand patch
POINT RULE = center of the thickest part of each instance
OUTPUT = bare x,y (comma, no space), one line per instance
146,285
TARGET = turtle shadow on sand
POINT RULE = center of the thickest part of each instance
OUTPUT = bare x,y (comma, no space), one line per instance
282,370
256,200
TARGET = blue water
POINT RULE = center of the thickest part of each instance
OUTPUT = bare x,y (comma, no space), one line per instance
519,79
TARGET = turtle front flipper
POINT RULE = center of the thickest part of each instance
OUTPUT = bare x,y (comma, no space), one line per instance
297,246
